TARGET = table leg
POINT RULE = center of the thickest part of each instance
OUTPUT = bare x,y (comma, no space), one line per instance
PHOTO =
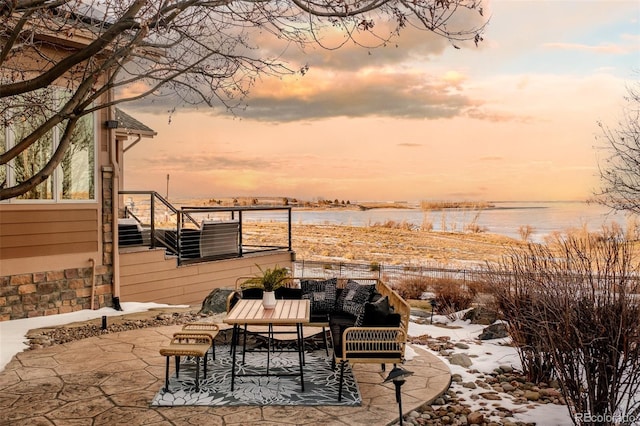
244,342
269,342
234,339
300,352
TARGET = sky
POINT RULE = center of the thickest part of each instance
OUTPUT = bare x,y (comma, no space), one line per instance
513,119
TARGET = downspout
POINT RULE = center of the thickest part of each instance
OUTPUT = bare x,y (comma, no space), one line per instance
93,282
115,197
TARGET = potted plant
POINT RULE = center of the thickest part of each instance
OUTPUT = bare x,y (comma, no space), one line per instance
269,280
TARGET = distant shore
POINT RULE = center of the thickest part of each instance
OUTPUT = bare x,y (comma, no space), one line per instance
335,204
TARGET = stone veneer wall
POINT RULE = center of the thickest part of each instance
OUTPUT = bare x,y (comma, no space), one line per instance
52,292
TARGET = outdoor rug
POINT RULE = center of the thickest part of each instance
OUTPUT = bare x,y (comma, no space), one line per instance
320,382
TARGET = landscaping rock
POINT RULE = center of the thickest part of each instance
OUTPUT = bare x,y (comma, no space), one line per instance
215,302
475,418
494,331
481,315
460,359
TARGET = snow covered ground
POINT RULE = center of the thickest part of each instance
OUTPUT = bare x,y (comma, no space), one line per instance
486,355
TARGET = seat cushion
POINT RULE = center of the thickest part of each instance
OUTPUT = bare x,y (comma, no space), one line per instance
338,323
288,293
252,293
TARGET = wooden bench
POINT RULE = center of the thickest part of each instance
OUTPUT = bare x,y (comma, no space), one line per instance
207,328
187,344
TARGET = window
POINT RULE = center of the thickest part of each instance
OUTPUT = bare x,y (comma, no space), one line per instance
78,165
74,178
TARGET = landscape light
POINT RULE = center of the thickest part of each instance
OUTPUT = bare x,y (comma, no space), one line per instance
433,308
398,376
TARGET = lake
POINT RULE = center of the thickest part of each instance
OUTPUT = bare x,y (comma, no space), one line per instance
505,218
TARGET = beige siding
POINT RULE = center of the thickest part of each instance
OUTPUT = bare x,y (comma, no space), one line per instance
147,276
47,231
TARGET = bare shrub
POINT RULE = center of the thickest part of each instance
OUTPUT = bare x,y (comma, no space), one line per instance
412,287
525,232
452,296
393,224
427,223
473,226
573,310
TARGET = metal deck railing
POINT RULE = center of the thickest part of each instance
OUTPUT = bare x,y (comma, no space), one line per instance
195,233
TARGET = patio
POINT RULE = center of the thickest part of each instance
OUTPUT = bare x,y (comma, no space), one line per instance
113,378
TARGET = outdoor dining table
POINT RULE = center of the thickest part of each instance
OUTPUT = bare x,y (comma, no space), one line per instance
249,312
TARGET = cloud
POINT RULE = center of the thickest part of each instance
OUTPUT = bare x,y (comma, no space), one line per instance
203,161
367,93
608,48
409,145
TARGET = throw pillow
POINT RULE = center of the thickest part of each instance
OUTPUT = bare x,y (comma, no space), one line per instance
376,313
321,293
353,298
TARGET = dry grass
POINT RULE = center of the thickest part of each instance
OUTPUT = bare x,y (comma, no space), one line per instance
387,245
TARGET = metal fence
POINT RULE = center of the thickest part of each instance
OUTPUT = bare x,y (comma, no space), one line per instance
391,274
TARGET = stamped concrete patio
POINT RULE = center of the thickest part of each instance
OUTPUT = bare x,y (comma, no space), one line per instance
111,379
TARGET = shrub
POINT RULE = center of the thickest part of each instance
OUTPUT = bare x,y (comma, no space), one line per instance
525,232
412,287
573,307
452,296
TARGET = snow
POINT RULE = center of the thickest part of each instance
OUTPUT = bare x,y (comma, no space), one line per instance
12,333
486,355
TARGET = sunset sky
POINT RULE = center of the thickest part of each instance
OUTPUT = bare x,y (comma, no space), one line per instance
513,119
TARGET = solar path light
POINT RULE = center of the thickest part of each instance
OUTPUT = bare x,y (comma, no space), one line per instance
398,376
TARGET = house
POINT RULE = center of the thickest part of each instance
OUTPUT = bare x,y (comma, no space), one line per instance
59,243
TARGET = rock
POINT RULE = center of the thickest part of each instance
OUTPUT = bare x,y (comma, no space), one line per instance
215,302
507,387
469,385
460,359
494,331
532,395
491,396
456,378
475,418
481,315
506,368
439,401
461,345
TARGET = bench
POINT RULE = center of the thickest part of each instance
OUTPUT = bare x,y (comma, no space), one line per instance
208,328
187,344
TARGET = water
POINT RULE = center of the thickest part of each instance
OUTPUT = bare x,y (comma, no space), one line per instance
505,219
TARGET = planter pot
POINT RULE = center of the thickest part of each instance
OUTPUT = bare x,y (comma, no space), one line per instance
268,300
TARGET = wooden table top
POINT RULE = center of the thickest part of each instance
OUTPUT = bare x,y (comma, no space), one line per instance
286,312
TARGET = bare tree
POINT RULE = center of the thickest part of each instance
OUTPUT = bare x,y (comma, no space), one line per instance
620,170
573,310
201,51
